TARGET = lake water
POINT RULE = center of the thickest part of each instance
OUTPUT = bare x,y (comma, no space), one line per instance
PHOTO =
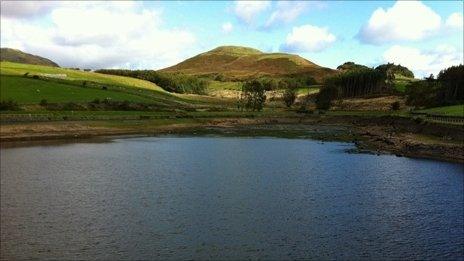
226,198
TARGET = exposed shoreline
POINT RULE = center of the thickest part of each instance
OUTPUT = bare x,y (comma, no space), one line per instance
393,135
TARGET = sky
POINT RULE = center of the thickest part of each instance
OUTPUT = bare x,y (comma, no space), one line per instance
425,36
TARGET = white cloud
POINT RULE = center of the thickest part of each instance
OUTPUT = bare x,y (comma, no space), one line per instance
455,21
405,20
423,63
227,27
100,34
308,38
246,11
26,9
286,12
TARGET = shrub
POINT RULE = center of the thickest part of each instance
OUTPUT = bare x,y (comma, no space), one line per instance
283,85
395,106
9,105
219,77
35,76
423,93
253,95
289,97
43,102
325,97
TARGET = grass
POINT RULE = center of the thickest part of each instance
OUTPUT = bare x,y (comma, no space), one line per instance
305,90
401,82
23,89
236,62
454,110
29,91
8,68
217,85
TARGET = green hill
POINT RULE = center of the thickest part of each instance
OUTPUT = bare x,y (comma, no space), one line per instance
235,62
29,84
17,56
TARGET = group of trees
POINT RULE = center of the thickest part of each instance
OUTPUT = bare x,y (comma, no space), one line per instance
289,82
358,80
356,83
393,69
349,66
172,82
446,89
385,69
253,96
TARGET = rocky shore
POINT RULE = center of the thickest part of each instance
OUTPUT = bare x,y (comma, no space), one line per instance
379,135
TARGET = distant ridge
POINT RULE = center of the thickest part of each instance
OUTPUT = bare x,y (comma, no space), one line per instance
239,62
17,56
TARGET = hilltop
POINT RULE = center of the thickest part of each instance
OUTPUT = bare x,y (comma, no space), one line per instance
240,63
17,56
348,66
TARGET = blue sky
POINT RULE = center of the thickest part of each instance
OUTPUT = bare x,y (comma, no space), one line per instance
425,36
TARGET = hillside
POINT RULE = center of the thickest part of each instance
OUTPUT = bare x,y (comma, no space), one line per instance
237,62
29,84
17,56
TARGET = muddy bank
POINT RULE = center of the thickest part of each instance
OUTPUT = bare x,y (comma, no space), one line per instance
396,135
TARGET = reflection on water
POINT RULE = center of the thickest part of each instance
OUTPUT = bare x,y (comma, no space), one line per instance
226,198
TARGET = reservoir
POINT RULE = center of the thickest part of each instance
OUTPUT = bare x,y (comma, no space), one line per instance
174,197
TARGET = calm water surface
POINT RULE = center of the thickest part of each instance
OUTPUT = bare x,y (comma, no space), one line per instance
226,198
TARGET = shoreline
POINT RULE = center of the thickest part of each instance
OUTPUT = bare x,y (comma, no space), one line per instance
377,135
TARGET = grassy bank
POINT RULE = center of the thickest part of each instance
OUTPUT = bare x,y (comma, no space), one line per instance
454,110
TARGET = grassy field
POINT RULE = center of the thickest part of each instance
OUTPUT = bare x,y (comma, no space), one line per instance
311,90
8,68
65,85
217,85
454,110
401,82
29,91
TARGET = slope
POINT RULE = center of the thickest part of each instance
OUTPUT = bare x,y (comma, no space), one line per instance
27,83
240,63
17,56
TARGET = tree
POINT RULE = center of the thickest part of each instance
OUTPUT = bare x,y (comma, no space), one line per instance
253,95
422,93
289,97
452,81
283,84
395,106
390,78
357,83
325,97
446,89
395,69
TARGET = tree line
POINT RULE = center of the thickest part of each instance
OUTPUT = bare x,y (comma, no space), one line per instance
172,82
352,83
446,89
